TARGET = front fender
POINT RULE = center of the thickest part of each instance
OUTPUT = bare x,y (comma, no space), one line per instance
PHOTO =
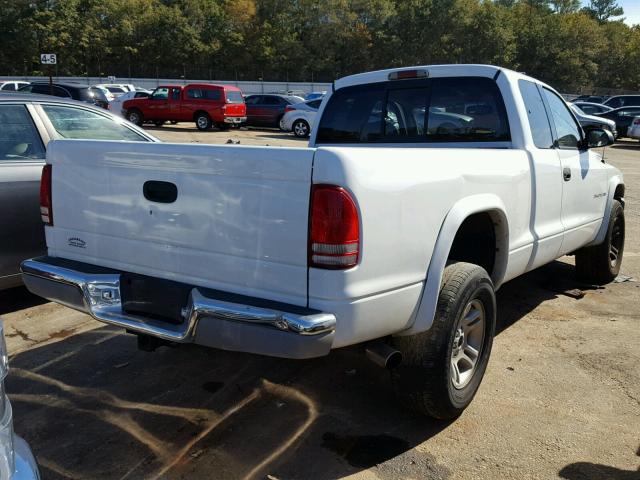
455,217
614,182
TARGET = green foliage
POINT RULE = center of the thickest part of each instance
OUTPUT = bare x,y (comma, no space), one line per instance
603,10
320,40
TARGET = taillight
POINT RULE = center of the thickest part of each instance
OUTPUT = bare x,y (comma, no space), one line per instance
288,108
334,232
46,208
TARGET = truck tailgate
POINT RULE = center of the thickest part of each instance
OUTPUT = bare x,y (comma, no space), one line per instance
239,222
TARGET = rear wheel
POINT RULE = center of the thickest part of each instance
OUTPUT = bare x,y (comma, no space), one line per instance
301,128
203,121
600,264
442,368
135,116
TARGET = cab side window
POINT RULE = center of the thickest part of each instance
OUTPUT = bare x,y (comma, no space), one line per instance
538,120
567,129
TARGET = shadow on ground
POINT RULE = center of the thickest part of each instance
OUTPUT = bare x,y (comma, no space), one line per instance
93,406
626,145
18,298
589,471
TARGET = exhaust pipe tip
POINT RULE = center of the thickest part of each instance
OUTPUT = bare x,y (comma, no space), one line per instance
383,355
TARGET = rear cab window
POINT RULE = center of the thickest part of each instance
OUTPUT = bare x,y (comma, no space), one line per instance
459,109
233,96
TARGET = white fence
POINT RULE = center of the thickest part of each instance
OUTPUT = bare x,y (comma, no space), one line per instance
151,83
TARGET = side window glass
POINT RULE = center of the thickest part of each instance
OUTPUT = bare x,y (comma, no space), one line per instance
538,121
405,113
78,123
194,93
566,127
467,110
19,139
175,94
160,94
252,100
210,94
61,92
315,104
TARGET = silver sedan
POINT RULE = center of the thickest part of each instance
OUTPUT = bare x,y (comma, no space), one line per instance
28,123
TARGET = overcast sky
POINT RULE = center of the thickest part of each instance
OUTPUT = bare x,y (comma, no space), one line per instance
631,10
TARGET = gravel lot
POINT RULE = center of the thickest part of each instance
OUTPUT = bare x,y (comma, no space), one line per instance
561,397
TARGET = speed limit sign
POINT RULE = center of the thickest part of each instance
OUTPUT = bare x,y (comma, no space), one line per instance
48,58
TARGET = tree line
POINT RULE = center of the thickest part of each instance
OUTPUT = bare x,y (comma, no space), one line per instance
571,47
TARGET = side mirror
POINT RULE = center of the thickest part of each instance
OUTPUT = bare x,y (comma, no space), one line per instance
598,137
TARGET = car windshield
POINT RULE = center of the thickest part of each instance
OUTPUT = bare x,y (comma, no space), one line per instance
80,123
233,96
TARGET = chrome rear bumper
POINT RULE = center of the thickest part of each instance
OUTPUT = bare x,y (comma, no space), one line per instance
292,332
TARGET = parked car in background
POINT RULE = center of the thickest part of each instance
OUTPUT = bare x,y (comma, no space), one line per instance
105,91
623,117
592,121
206,104
634,129
72,90
12,85
300,117
314,95
117,105
16,459
591,108
590,98
618,101
117,89
266,110
27,124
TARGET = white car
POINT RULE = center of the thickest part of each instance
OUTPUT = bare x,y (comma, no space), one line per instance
118,102
300,117
12,85
117,89
421,192
634,129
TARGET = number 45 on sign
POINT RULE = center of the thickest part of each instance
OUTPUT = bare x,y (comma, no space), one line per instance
48,58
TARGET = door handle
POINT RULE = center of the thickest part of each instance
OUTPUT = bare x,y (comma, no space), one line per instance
566,174
160,192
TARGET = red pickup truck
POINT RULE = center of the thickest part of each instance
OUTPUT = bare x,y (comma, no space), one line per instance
204,103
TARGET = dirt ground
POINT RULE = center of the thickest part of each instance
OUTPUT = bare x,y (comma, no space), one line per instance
561,397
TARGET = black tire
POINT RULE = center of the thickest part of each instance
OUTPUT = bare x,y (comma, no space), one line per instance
301,128
135,116
600,264
425,381
203,121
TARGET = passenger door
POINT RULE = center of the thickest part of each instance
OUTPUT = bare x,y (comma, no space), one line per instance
255,113
158,104
175,112
22,156
584,180
546,191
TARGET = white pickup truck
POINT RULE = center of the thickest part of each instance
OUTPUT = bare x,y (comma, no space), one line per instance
422,190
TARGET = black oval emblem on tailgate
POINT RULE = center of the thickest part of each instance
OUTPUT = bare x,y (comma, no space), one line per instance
160,192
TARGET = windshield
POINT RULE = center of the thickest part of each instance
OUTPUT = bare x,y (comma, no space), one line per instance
233,96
